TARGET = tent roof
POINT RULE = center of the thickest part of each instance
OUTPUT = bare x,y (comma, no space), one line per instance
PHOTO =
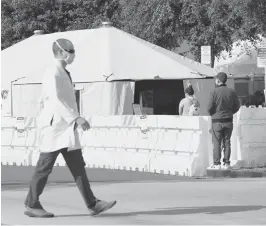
201,69
100,52
242,62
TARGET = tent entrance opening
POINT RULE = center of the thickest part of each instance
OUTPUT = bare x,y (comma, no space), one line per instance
159,97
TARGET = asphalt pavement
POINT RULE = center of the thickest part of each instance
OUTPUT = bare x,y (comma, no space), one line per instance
153,202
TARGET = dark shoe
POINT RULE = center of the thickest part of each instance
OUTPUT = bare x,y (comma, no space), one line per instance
41,213
100,207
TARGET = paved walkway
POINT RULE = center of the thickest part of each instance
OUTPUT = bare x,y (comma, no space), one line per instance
219,201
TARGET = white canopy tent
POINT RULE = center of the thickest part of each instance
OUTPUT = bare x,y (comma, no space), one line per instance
99,52
103,54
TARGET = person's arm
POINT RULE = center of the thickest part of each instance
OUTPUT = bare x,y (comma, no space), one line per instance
236,103
211,104
181,107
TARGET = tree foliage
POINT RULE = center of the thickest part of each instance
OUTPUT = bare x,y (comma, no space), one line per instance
163,22
219,23
21,17
156,21
253,17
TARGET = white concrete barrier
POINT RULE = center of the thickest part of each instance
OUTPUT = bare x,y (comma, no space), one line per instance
34,157
99,157
16,140
6,136
15,156
132,159
162,144
167,162
251,137
60,161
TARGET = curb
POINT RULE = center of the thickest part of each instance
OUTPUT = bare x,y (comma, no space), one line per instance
235,173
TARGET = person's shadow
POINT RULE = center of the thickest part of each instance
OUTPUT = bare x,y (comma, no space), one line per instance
180,211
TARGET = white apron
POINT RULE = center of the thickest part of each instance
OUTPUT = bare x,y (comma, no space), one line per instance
57,118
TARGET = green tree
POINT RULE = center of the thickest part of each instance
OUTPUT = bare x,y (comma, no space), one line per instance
163,22
252,17
219,23
21,17
156,21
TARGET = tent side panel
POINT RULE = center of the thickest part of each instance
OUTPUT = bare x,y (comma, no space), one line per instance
107,98
26,99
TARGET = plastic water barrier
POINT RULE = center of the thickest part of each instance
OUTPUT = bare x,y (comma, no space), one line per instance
162,144
251,137
18,137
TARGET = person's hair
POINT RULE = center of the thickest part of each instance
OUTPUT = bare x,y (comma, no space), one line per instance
64,43
222,77
189,90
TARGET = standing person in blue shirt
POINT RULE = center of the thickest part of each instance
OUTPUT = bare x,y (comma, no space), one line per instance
223,104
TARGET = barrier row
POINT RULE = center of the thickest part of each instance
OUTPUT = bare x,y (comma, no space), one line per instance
136,144
153,139
251,137
124,159
153,143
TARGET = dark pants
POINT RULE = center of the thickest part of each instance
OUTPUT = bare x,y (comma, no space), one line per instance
44,167
221,132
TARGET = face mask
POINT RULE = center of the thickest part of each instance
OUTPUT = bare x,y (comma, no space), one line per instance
67,58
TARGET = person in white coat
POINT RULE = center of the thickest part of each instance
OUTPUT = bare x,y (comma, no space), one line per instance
57,124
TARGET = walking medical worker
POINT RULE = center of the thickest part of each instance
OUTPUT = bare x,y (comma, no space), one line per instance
57,125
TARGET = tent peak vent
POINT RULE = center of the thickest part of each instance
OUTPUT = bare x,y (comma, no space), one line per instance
38,32
107,24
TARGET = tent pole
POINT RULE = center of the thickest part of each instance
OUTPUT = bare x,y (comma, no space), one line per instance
11,93
265,83
11,98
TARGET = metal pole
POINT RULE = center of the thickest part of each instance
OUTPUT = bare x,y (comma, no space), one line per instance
11,93
265,83
11,98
